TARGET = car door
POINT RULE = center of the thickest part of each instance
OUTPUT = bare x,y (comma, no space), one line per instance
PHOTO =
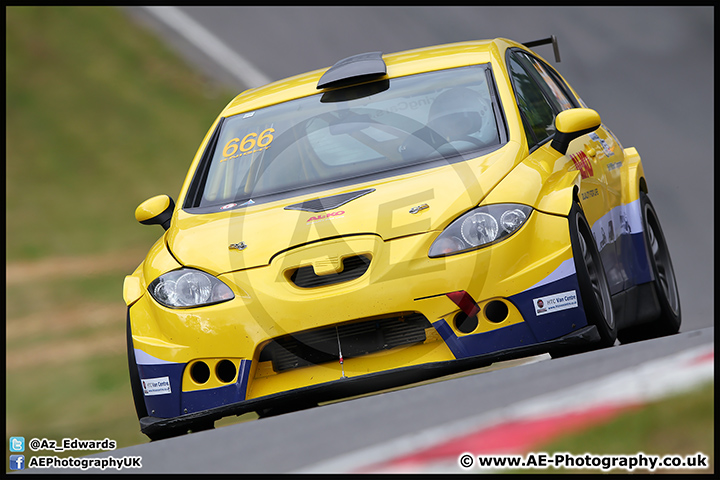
541,94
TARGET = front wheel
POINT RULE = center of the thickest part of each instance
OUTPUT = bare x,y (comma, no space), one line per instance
664,284
594,287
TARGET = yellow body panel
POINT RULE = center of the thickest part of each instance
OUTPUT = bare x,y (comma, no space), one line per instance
633,178
272,306
132,287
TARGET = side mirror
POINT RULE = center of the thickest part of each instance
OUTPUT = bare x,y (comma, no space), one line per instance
157,210
571,124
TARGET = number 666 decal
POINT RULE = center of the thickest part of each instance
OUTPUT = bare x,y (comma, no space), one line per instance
252,142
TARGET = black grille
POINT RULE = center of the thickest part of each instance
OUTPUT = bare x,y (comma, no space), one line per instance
356,339
329,203
353,267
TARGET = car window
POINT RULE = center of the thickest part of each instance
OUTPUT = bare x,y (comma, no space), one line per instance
531,101
557,96
348,133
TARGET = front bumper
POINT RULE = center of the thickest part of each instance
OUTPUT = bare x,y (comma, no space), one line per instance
304,397
401,282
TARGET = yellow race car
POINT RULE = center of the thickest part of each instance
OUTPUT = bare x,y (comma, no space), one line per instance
389,219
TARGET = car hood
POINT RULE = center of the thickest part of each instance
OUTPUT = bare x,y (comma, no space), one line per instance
204,240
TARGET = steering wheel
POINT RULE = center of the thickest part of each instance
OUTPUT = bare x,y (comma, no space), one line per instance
426,143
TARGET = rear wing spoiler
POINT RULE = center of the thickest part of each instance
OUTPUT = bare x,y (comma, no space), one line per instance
552,39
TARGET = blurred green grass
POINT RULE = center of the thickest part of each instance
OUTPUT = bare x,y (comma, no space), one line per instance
89,400
47,295
100,116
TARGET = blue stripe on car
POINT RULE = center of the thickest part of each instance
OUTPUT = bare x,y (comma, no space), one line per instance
533,330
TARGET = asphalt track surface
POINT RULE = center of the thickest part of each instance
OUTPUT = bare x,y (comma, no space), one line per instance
647,71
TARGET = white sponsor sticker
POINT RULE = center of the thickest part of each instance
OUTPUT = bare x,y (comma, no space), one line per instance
156,386
555,303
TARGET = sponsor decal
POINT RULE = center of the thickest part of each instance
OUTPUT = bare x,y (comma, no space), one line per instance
322,217
614,165
603,238
621,220
229,205
156,386
615,140
590,194
555,303
420,103
606,148
624,224
582,163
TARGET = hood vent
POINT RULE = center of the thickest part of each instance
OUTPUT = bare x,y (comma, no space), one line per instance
353,267
328,203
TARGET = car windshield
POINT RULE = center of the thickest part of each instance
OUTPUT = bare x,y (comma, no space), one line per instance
349,133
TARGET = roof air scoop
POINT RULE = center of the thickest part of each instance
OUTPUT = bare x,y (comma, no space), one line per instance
354,70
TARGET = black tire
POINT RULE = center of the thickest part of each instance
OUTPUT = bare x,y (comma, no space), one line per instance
665,286
594,287
137,393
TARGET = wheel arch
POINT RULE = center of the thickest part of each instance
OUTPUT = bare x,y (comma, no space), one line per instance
557,196
633,181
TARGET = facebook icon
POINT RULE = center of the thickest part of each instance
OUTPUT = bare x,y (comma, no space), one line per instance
17,462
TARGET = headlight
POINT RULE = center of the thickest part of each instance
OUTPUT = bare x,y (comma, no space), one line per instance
188,287
479,227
